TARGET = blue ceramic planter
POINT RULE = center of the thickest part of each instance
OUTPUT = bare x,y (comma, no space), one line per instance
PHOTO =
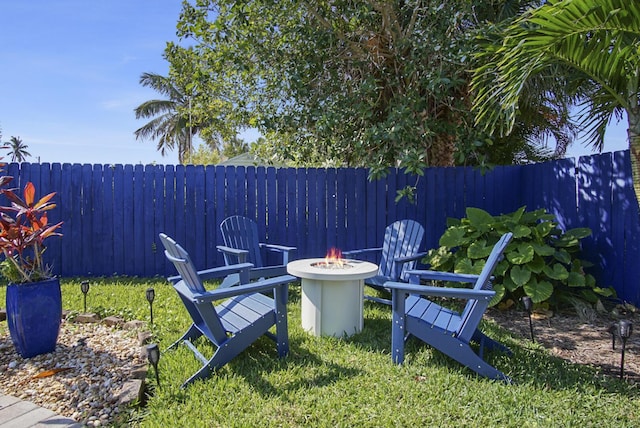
34,312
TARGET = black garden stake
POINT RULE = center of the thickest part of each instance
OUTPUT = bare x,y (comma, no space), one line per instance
625,328
151,294
528,306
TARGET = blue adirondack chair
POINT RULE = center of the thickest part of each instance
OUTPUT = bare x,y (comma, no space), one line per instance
398,255
237,322
446,330
242,244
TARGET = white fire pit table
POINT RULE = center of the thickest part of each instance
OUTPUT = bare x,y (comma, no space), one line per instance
332,294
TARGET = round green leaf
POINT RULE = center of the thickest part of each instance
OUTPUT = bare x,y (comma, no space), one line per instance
521,231
538,291
543,249
500,293
453,237
544,228
466,265
480,219
579,232
479,250
521,254
558,272
537,264
562,256
509,284
575,280
520,275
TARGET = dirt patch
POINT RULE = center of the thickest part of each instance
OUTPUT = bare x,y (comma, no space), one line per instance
578,340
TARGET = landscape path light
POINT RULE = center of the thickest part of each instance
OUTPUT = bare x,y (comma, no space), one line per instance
84,287
528,306
151,295
625,328
153,355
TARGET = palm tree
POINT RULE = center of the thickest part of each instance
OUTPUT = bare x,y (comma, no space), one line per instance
595,44
170,123
18,150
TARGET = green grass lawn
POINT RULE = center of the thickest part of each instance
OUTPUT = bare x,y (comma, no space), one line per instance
330,382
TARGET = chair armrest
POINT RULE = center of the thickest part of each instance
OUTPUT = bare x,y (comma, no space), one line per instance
217,272
411,258
416,275
362,251
255,287
277,248
268,272
240,254
282,249
452,292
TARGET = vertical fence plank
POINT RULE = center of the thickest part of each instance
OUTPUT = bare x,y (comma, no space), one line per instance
120,239
210,225
86,231
352,214
221,208
100,240
291,208
321,204
53,255
301,238
159,212
139,245
332,238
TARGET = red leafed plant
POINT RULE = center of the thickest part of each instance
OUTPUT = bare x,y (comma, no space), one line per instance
23,228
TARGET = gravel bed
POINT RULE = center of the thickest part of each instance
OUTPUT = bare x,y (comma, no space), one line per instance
95,361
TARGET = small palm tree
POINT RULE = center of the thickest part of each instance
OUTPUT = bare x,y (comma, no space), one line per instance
169,124
593,44
18,150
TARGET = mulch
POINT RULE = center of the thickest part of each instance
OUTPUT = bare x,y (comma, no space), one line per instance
581,340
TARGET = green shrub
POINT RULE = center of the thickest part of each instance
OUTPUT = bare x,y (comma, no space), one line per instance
541,261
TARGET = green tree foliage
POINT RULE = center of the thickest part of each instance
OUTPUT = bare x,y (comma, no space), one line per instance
203,155
234,146
593,46
18,150
370,83
170,122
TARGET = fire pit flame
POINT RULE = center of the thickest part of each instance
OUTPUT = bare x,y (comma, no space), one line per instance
333,260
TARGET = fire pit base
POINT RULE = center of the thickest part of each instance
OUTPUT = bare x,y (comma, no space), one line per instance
332,308
332,299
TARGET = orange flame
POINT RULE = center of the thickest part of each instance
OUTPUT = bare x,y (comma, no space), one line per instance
334,256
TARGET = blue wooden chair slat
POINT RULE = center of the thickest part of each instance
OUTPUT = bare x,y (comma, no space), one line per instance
398,254
233,324
447,330
242,244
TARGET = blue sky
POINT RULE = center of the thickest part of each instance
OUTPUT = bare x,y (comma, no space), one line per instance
69,78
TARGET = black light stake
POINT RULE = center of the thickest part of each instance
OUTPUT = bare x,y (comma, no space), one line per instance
613,330
528,305
84,287
153,355
151,294
624,330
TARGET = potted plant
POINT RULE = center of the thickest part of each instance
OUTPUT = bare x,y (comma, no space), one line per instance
33,298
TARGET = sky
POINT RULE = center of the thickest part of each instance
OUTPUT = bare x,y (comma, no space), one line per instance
69,78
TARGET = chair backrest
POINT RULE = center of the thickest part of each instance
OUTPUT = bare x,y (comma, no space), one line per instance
181,260
401,239
204,315
470,316
241,233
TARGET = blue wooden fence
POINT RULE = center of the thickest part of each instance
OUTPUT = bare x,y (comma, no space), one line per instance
113,213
